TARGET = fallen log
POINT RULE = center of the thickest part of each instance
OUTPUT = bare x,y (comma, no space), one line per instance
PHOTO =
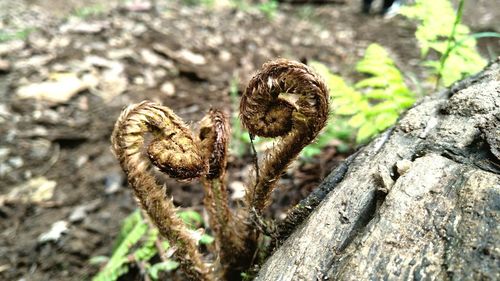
420,202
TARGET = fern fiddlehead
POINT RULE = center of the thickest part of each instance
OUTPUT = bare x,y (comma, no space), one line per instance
214,140
174,151
266,111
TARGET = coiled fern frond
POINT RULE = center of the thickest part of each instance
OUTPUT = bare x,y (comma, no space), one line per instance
173,150
288,100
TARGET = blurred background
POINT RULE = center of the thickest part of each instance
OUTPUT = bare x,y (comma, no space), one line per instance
68,67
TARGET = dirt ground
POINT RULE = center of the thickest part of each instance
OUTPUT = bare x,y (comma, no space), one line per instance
183,57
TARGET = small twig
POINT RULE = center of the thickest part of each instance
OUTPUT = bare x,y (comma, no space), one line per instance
255,160
143,269
264,227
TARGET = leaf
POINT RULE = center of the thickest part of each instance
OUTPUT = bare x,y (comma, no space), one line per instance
206,239
383,107
148,248
310,151
375,60
386,88
357,120
404,102
400,90
378,94
348,109
439,25
168,265
116,265
373,82
352,107
165,245
383,121
191,218
343,148
127,226
346,100
365,132
337,85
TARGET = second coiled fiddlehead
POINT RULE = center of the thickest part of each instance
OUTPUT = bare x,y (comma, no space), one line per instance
174,151
214,140
288,100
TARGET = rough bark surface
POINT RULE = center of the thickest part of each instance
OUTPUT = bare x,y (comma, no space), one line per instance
420,202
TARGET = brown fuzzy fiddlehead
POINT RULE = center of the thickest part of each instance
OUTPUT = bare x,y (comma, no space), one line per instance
173,150
284,99
214,140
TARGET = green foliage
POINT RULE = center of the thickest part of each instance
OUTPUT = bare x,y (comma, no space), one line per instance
132,231
337,129
241,5
372,105
440,30
137,243
191,218
20,34
86,12
269,8
247,276
162,266
208,3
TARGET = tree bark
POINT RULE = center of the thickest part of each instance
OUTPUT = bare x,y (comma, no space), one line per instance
420,202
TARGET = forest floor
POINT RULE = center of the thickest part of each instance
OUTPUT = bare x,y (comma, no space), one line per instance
183,57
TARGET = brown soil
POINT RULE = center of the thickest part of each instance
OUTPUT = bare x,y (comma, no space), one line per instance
68,142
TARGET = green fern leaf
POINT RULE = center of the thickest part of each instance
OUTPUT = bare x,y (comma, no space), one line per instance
365,132
357,120
117,264
155,269
206,239
192,218
385,120
384,95
128,224
148,248
404,102
378,94
373,82
437,19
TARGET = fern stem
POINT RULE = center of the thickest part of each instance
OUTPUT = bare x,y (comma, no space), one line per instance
214,140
